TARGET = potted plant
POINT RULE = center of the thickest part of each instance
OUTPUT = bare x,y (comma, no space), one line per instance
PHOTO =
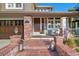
15,38
16,30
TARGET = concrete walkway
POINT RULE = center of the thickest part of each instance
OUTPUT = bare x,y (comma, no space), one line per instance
4,42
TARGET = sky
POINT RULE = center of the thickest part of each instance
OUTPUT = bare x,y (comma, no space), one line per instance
59,7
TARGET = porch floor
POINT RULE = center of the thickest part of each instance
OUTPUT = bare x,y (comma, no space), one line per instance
36,48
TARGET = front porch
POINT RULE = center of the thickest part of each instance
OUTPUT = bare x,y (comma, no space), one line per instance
47,26
37,23
36,26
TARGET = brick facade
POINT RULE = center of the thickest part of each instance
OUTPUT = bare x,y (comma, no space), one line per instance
27,27
15,39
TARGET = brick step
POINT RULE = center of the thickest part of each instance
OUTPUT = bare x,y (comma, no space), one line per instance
33,52
36,43
42,47
36,48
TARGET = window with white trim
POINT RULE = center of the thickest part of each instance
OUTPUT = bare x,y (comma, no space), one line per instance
14,5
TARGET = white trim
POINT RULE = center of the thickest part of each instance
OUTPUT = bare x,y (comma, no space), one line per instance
36,33
47,23
32,25
71,22
54,23
40,24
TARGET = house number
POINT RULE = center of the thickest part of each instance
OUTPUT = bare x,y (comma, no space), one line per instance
27,22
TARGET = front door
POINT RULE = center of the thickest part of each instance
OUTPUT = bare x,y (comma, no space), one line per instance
36,26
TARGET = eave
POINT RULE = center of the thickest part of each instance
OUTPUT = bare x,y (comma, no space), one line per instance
37,14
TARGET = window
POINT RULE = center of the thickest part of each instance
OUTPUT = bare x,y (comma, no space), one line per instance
18,5
73,24
78,24
10,5
14,5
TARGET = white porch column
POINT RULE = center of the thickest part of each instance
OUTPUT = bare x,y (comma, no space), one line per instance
40,24
64,25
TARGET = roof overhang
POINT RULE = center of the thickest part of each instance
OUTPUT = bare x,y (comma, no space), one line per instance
36,14
44,7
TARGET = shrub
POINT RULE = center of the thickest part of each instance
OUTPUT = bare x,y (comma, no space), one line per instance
77,42
71,41
77,49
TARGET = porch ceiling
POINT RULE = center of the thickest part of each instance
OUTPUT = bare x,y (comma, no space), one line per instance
36,14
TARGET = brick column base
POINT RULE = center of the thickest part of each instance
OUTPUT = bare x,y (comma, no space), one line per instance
15,39
27,27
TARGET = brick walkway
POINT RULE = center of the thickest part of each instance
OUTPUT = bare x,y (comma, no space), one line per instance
7,50
36,48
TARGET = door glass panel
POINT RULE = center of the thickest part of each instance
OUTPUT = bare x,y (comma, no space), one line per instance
50,24
73,24
57,22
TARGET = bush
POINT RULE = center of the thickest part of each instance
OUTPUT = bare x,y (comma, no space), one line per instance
77,42
77,49
71,41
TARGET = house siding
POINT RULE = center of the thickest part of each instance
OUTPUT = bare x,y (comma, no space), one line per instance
26,7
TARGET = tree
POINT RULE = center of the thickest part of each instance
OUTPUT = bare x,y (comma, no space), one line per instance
76,7
71,10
